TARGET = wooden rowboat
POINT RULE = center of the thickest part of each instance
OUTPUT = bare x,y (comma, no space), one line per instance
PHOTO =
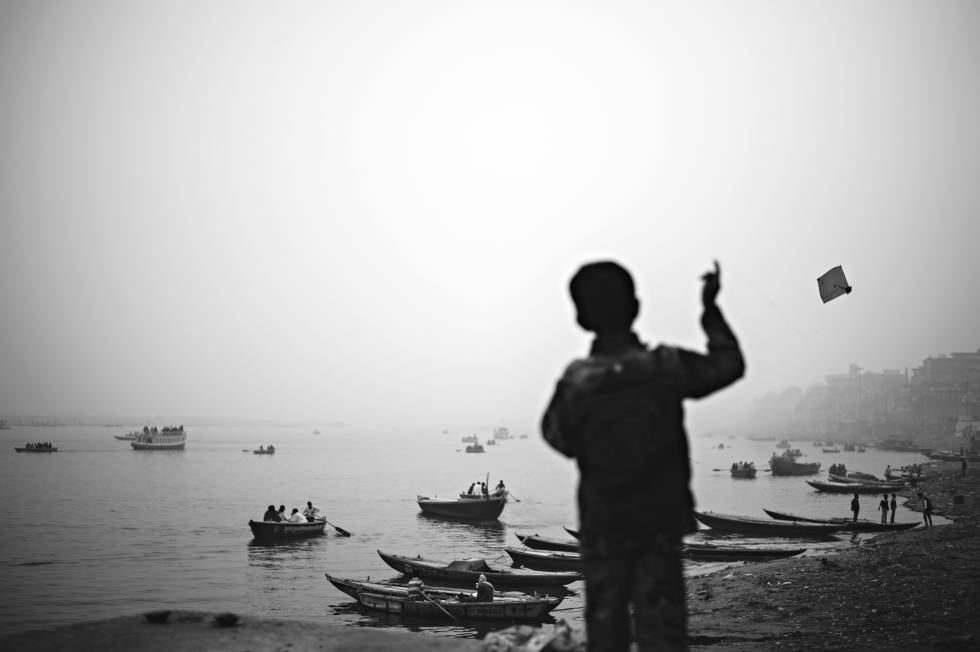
479,509
546,560
272,530
539,542
861,525
763,527
468,571
444,603
854,487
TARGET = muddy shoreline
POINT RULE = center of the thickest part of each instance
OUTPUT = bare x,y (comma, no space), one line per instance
912,590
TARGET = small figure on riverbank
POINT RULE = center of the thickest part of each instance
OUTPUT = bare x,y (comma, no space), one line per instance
883,508
964,467
855,506
894,505
926,510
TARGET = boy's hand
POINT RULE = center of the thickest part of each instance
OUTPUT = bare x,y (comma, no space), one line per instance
712,285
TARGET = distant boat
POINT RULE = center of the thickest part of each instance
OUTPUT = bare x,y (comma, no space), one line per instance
129,436
743,470
475,448
831,450
787,465
783,444
3,425
36,449
316,432
262,450
501,433
168,439
523,437
470,439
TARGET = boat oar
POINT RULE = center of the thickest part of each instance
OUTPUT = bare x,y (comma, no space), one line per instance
513,496
341,531
437,604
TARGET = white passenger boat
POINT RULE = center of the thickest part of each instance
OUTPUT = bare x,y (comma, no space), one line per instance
168,439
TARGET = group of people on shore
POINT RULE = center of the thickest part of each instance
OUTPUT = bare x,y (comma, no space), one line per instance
38,444
308,515
889,506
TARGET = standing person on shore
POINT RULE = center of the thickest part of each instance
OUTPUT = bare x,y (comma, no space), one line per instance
926,510
619,412
855,506
883,508
964,467
894,505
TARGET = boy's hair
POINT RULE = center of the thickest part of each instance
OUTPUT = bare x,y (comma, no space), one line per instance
604,296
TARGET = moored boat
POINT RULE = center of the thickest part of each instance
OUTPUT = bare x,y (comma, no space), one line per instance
861,525
475,509
270,530
443,602
538,542
546,560
710,552
468,571
855,487
763,527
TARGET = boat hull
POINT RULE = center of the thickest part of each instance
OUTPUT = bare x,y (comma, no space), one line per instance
50,449
538,542
442,572
848,524
760,527
785,466
707,552
743,473
853,487
470,509
444,603
546,560
272,531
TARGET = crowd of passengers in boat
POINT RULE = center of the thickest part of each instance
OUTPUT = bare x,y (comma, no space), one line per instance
153,431
308,515
738,466
38,445
498,491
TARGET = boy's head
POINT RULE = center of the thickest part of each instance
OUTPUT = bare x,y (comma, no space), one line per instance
604,297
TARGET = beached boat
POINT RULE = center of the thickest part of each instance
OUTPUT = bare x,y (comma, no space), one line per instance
710,552
855,487
546,560
269,530
861,525
168,439
443,602
36,449
477,508
468,571
538,542
764,527
787,465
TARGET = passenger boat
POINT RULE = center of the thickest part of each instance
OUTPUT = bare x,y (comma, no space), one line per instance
861,525
473,509
763,527
468,571
743,470
475,448
36,449
538,542
710,552
831,450
787,465
855,487
444,602
546,560
129,436
470,439
501,433
270,530
168,439
262,450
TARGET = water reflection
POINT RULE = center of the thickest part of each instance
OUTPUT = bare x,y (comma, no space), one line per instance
488,534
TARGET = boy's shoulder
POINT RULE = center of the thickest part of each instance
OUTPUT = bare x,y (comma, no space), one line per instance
596,369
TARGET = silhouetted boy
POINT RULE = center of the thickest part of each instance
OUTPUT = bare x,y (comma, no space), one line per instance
619,412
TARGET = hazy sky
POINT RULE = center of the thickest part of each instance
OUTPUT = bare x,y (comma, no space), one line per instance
369,211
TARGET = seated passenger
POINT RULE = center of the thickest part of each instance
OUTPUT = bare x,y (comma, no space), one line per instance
310,512
271,514
296,517
484,589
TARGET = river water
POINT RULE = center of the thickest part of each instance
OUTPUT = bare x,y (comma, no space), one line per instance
97,529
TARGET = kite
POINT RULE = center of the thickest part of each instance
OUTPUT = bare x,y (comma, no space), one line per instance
833,284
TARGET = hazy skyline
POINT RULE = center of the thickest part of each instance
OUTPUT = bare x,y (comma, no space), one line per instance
369,212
